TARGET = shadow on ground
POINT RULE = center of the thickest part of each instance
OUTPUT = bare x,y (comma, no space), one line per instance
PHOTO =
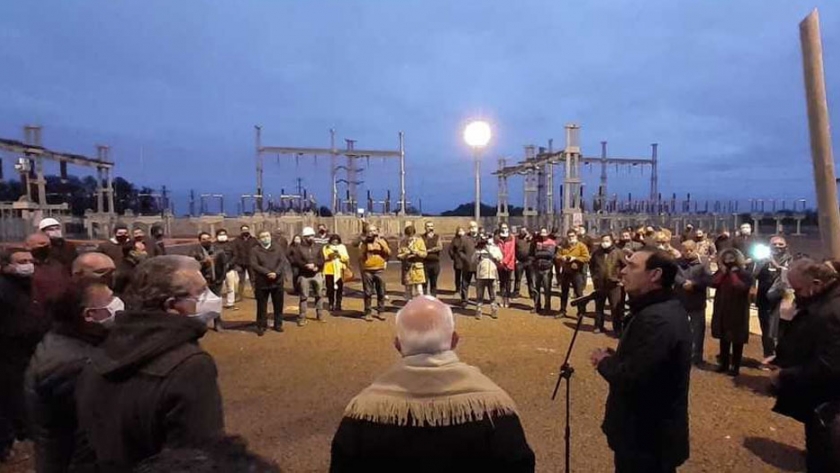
778,455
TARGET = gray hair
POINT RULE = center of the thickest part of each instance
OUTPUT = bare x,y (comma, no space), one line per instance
158,279
425,330
813,269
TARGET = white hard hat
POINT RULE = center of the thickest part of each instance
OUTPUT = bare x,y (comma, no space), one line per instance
308,231
48,222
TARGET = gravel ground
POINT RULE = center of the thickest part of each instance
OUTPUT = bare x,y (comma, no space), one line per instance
286,392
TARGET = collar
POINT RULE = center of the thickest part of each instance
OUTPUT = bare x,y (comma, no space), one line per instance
638,304
431,360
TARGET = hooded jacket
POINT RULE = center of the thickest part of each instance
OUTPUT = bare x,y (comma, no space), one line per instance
51,404
151,387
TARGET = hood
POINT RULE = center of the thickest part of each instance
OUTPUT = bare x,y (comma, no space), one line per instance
139,337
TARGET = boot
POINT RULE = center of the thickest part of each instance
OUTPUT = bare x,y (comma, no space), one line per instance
218,324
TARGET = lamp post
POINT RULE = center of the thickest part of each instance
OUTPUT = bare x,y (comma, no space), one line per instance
477,135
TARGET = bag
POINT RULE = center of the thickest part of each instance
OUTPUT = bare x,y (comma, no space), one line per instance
347,274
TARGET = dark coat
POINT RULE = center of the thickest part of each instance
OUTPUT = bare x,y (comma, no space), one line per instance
123,275
605,267
113,249
465,252
214,271
433,248
242,248
809,355
64,252
523,249
647,407
542,254
768,274
154,247
50,398
303,254
265,261
731,314
700,276
491,445
453,252
153,387
49,283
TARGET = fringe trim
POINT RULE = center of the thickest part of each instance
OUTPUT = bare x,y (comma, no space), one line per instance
442,412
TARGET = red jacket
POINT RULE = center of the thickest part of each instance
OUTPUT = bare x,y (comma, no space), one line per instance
508,248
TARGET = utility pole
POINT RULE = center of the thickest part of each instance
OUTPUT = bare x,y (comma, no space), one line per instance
819,126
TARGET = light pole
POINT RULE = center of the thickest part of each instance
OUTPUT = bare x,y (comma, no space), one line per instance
477,135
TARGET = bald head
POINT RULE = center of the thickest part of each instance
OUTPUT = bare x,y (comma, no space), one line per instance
92,266
37,240
425,326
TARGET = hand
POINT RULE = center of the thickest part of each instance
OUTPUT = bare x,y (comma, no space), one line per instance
311,267
335,255
688,285
598,355
272,276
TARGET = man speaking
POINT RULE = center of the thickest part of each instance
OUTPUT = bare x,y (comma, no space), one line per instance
646,419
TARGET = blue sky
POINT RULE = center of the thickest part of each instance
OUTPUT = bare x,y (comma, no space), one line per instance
176,88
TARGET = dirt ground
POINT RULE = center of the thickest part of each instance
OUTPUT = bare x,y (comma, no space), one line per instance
285,392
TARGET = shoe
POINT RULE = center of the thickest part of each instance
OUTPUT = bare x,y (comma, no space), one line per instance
368,317
494,313
260,331
478,315
533,310
722,369
597,330
320,318
764,367
279,328
301,321
734,372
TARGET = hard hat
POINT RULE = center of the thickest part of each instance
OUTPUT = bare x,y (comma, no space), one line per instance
48,222
308,231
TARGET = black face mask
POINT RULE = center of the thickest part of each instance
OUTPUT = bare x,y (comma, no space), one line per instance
121,238
206,244
698,238
41,253
158,236
138,238
246,235
779,251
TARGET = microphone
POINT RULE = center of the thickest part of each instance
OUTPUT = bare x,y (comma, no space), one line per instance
583,300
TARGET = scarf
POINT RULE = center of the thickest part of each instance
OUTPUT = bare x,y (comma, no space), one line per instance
430,390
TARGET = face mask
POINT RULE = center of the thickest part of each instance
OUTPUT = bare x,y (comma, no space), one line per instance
504,233
157,236
24,270
116,305
660,246
246,234
572,241
222,238
139,238
460,234
265,242
473,231
54,234
605,245
779,251
208,307
698,238
746,231
206,244
121,238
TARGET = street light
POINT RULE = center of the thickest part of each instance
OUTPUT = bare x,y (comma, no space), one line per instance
477,135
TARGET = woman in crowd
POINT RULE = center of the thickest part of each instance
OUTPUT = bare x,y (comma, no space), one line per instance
296,240
412,252
337,260
731,316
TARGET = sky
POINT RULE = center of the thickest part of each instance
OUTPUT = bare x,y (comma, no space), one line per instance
176,89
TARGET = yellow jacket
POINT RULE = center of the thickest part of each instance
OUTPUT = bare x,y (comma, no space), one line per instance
374,256
412,252
335,266
573,258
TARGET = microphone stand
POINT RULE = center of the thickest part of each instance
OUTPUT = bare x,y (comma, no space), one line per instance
566,372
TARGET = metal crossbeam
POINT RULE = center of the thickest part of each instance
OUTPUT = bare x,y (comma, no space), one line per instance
359,153
14,146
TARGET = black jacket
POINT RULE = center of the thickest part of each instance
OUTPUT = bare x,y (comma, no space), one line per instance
154,246
647,408
700,276
152,387
489,445
112,249
464,251
523,249
50,398
809,355
767,275
242,248
303,254
265,261
64,252
453,252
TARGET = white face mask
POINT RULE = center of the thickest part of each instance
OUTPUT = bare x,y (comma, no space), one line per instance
25,269
208,307
116,305
53,234
504,233
222,238
605,244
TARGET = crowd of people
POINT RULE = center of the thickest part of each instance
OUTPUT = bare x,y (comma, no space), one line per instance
101,366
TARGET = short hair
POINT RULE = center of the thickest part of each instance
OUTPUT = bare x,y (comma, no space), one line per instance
659,259
228,454
410,230
157,279
69,307
6,255
689,244
220,231
428,333
120,226
201,234
335,236
608,235
244,226
813,269
571,231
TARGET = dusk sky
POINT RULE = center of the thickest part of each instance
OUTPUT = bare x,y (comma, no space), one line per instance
177,87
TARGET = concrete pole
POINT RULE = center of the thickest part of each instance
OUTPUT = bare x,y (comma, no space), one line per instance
257,139
819,127
333,177
477,185
402,174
